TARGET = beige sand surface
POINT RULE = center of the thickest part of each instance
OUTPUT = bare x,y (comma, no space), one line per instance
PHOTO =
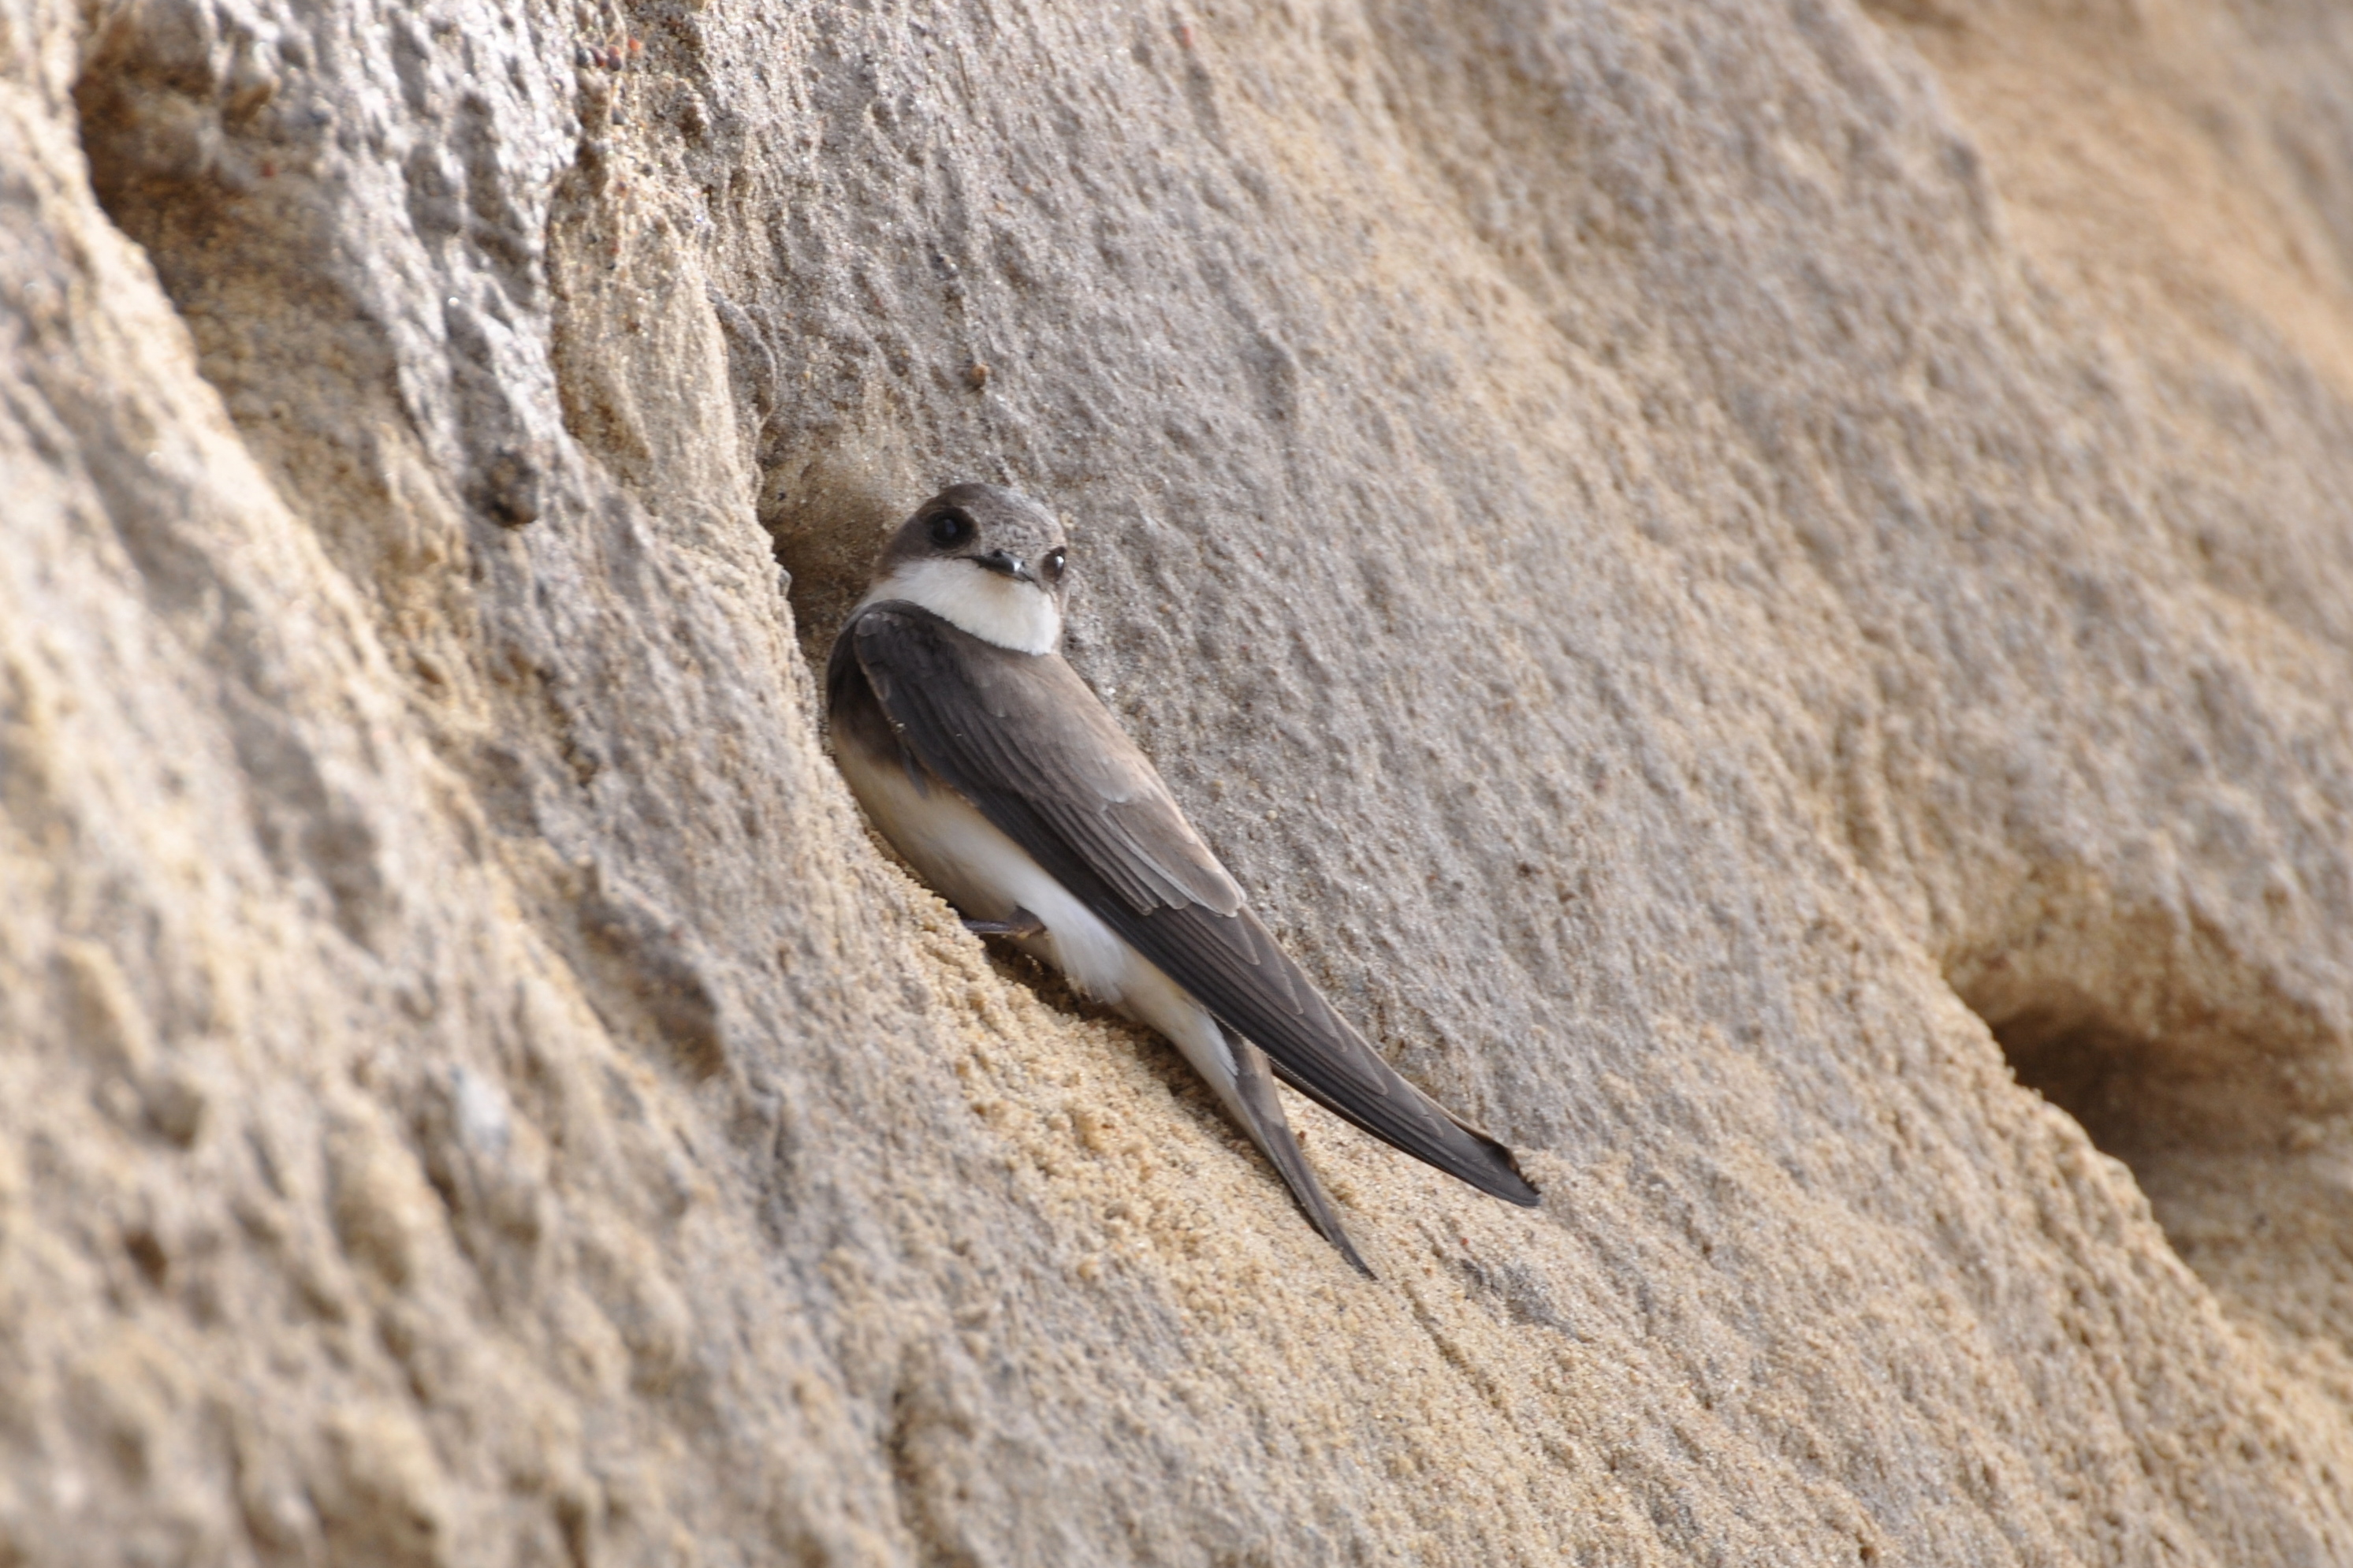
1763,592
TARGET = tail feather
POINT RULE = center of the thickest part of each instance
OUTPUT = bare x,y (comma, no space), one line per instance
1268,1129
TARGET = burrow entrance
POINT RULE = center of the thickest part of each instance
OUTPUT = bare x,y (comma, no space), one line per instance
2242,1140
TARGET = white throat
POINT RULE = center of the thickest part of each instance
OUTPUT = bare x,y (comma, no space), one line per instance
992,607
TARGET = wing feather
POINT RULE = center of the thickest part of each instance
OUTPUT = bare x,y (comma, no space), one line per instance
1071,774
1023,739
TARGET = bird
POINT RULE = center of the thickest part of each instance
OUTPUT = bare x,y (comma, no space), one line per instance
1002,780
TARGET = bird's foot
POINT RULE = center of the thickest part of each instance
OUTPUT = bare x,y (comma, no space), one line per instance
1023,924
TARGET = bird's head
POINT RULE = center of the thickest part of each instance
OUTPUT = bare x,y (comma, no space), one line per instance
988,560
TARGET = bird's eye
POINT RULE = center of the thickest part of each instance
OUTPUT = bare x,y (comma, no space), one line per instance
1053,565
950,529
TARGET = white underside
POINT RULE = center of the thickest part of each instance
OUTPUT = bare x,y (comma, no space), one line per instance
992,607
986,876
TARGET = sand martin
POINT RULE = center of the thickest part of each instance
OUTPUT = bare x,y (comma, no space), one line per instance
1012,791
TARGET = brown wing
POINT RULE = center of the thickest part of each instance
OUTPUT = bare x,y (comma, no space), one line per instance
1022,737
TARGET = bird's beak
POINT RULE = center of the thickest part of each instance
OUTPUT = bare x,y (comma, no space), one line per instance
1007,565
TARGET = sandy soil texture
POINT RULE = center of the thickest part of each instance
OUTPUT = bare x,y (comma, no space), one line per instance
1762,591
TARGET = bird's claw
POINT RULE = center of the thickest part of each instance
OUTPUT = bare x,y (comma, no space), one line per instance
1023,924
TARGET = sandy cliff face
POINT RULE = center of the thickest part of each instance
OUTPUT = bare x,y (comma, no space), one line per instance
1735,579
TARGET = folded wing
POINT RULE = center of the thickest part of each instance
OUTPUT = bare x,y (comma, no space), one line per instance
1022,737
